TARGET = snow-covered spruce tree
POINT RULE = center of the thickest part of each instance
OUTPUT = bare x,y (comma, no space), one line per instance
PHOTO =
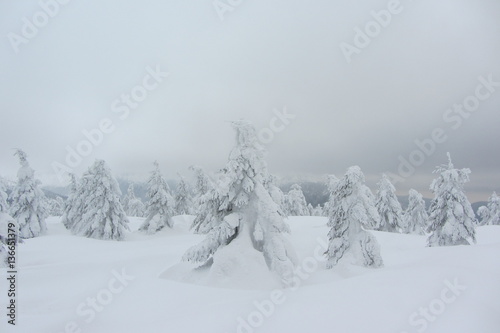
451,218
6,222
415,218
132,205
28,201
330,187
318,211
160,205
98,212
490,214
351,209
56,206
244,216
295,202
70,205
388,206
202,224
276,193
183,200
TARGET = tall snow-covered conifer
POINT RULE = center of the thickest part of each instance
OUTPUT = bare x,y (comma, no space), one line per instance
415,218
98,212
132,205
70,206
204,220
5,220
295,202
243,212
451,218
160,205
28,201
490,214
388,206
351,209
183,200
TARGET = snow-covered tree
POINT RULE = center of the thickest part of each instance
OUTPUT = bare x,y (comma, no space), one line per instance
330,187
70,208
56,206
4,206
202,195
6,223
160,205
183,200
244,216
415,218
28,201
295,202
388,206
451,218
276,193
98,212
490,214
132,205
317,211
351,210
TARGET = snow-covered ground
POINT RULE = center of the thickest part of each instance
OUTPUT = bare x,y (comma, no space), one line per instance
74,284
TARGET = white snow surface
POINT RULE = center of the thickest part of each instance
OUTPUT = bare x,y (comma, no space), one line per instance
59,273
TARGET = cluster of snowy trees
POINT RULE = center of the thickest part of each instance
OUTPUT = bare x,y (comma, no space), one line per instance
242,210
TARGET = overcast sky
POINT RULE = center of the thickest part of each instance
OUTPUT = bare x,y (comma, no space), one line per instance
264,57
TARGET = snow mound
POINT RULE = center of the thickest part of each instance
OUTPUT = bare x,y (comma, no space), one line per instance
235,266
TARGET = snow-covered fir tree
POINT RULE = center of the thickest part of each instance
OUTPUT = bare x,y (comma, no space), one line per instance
490,214
330,187
388,206
244,216
28,201
132,205
317,211
415,218
183,200
70,206
4,206
6,223
99,213
295,202
56,206
451,218
351,210
276,193
202,195
160,204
